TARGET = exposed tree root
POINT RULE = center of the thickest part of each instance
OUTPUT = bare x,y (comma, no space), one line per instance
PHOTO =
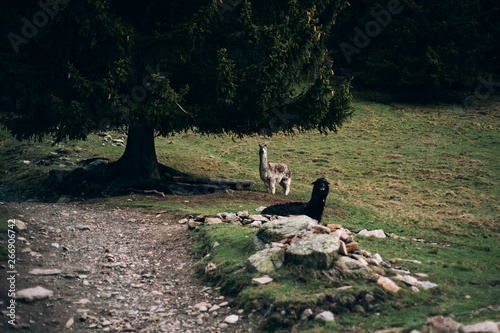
106,180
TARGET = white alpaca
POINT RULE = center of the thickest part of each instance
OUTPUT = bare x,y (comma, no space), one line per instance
273,173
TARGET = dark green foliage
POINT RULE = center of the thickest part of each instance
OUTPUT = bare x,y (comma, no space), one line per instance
170,66
424,46
3,233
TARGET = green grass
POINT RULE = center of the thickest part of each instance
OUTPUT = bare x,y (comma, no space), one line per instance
441,160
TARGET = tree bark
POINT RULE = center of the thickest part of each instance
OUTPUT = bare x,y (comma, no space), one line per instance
139,159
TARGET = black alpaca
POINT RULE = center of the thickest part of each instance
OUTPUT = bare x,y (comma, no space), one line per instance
314,208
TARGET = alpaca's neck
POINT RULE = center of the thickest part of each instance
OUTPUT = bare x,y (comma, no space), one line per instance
318,197
264,163
315,209
316,205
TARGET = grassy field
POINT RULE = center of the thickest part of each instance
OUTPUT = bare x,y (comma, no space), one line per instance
443,163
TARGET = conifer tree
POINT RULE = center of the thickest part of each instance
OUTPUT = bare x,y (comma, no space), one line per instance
160,67
418,46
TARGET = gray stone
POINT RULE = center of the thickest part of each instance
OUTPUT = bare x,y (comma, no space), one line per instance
232,217
325,316
377,258
242,214
257,217
308,313
484,327
315,251
232,319
193,224
266,260
262,280
258,244
426,285
284,227
214,308
417,262
260,208
388,284
18,224
441,324
212,220
84,227
379,233
39,271
246,221
256,224
409,280
98,162
32,294
348,265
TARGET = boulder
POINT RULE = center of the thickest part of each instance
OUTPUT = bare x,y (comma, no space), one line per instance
257,217
388,284
255,224
409,280
232,217
426,285
308,313
315,251
193,224
266,260
284,227
377,259
242,214
379,233
212,220
258,244
348,265
484,327
442,324
325,316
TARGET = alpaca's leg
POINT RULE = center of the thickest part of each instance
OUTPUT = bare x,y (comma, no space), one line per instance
268,185
286,185
273,185
283,185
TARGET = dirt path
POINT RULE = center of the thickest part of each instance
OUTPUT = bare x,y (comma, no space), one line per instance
121,270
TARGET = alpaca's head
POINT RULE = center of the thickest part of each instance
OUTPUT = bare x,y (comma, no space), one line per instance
262,149
320,190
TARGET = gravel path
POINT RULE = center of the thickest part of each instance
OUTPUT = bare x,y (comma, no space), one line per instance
121,270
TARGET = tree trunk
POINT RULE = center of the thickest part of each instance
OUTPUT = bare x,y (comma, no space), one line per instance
139,159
